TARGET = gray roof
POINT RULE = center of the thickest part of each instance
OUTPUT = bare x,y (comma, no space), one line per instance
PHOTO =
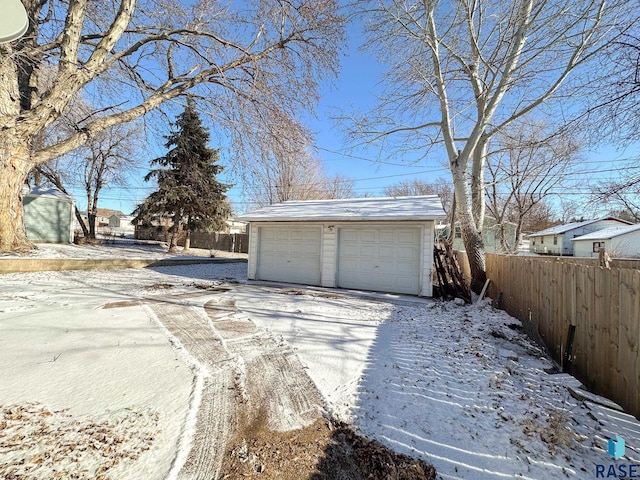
558,229
426,207
607,233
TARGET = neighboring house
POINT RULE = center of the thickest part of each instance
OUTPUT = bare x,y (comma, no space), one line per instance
104,215
490,235
380,244
120,224
235,226
49,215
618,242
558,240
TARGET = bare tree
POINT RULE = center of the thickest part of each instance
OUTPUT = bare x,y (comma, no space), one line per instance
540,217
105,160
300,178
615,115
621,195
569,210
460,72
287,169
527,167
440,187
246,59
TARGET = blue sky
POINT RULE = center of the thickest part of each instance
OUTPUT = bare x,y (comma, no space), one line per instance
355,89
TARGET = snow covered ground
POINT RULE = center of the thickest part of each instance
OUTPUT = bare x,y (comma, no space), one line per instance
106,391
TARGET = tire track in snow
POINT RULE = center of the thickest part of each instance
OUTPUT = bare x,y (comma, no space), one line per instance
249,374
275,379
216,415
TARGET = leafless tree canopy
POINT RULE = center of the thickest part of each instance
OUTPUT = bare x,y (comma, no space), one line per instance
528,164
285,168
247,59
461,72
440,187
615,115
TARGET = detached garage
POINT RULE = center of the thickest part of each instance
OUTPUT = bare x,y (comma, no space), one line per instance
378,244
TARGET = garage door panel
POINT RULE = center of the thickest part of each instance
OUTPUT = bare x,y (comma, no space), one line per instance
406,253
289,254
405,237
387,251
386,237
379,259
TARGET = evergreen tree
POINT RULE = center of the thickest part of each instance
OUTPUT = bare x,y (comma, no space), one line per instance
188,191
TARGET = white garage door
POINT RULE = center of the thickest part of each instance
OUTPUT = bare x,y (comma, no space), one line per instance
289,254
379,259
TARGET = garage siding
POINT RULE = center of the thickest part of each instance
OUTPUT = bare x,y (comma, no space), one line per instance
428,234
329,251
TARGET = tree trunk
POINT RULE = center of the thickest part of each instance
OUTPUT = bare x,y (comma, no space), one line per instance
85,231
91,215
176,230
471,235
474,246
187,240
14,165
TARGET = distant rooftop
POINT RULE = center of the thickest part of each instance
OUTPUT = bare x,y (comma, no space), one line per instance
425,207
611,232
558,229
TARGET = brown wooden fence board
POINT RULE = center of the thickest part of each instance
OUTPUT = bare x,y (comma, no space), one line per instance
602,303
614,326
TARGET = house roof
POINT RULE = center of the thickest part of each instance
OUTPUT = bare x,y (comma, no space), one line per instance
426,207
558,229
107,212
50,192
611,232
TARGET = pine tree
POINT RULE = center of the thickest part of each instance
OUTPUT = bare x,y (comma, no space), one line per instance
188,191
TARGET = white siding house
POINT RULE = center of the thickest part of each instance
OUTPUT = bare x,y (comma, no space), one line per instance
558,240
380,244
618,242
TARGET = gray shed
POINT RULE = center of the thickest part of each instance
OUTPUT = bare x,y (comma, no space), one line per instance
49,215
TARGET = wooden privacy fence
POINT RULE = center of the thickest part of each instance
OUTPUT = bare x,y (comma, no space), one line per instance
228,242
588,316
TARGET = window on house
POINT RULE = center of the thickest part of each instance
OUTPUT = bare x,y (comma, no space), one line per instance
541,240
597,246
457,233
555,239
534,241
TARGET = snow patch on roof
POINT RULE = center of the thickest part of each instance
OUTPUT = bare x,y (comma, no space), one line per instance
425,207
49,192
558,229
608,233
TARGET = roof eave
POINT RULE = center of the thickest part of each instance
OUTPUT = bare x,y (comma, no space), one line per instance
344,219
